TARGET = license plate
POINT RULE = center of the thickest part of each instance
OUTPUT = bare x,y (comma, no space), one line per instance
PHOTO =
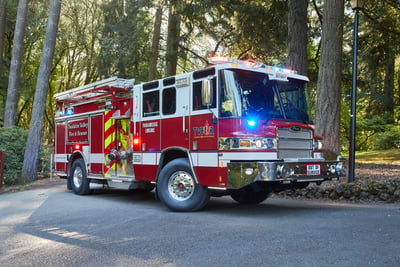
313,169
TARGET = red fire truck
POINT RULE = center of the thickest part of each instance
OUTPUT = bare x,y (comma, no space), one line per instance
237,128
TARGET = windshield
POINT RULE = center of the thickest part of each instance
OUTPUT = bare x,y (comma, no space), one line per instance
252,94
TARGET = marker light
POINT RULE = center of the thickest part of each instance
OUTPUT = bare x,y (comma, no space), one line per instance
77,147
69,111
136,141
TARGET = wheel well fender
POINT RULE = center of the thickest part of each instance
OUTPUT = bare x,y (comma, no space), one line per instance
171,154
74,156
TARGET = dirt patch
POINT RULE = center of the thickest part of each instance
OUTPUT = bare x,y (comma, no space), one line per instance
40,182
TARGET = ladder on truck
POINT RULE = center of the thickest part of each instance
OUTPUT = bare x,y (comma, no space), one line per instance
96,90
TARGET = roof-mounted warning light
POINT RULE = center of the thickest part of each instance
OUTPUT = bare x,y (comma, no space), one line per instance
271,69
250,63
219,60
235,62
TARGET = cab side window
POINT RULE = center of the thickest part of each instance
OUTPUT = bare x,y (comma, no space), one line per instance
197,100
169,101
151,104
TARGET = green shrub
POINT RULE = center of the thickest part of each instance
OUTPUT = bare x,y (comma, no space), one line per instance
46,151
387,140
13,141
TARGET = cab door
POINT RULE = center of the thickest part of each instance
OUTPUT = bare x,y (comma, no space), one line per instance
175,112
204,135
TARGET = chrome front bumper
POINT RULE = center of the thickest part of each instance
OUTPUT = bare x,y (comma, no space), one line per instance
241,174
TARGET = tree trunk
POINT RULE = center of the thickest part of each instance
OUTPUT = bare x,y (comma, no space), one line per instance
29,168
388,87
398,94
16,59
172,39
156,43
327,117
389,91
297,36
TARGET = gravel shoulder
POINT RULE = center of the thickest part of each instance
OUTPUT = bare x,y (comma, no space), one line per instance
374,182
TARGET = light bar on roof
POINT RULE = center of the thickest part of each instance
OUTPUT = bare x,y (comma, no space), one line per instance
219,60
274,71
222,60
271,69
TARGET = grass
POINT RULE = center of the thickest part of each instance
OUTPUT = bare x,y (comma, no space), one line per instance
381,156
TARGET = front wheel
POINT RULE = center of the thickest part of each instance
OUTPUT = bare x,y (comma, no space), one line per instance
79,182
177,188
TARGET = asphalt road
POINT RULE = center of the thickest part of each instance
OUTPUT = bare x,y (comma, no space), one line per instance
54,227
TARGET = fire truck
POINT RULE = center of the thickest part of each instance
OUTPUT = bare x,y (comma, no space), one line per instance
237,128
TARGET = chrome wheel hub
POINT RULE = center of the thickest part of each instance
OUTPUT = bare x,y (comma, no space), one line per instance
77,177
181,185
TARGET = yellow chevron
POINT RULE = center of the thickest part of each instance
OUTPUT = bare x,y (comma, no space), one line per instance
108,124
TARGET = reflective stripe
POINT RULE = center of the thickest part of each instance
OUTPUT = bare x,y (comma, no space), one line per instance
205,159
253,156
109,130
94,158
60,158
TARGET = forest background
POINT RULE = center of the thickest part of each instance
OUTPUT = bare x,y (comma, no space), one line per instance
150,39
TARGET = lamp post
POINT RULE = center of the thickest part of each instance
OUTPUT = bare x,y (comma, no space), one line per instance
356,5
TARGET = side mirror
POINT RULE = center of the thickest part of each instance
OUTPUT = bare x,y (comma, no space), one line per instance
207,92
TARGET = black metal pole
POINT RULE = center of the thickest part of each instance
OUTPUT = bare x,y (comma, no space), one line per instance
352,156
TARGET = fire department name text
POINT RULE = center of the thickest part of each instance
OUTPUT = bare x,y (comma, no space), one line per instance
78,129
78,125
150,127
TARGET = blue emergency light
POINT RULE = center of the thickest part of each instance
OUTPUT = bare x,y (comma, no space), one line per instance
251,124
69,111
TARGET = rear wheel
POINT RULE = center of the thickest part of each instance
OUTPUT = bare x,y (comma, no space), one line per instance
249,195
177,188
79,181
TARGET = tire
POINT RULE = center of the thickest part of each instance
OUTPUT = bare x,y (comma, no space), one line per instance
249,195
78,176
177,188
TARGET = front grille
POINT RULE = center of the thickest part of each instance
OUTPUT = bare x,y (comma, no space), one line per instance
294,143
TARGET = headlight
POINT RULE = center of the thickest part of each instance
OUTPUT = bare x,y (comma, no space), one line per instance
247,143
317,144
338,168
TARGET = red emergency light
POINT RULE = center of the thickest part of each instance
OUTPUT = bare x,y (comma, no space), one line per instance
234,62
250,63
219,60
136,141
